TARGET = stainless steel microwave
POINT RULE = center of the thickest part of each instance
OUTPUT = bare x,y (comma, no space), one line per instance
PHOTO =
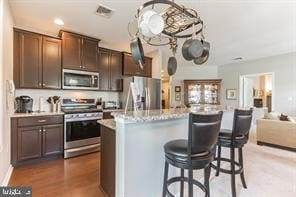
75,79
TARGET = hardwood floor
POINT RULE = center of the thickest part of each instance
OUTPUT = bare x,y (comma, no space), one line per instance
75,177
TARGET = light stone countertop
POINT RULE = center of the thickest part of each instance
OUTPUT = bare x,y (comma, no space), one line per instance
158,115
19,115
110,123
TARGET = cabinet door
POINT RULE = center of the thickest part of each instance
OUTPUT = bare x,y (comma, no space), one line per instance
29,143
52,68
147,70
103,65
129,66
28,60
116,71
52,139
89,55
71,51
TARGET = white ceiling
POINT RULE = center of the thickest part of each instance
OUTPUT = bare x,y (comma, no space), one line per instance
236,28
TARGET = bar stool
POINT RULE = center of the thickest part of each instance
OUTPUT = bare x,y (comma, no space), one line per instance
194,153
235,138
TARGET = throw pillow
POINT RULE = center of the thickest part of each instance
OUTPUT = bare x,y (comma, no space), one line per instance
272,116
284,117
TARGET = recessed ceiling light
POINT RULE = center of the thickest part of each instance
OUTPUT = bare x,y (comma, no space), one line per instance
58,21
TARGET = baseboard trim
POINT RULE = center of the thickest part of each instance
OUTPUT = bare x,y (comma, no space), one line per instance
7,176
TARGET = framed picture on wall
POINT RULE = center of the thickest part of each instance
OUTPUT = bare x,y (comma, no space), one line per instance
177,96
177,88
231,94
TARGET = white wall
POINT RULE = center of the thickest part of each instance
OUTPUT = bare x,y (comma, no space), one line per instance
156,63
284,67
190,72
35,94
6,66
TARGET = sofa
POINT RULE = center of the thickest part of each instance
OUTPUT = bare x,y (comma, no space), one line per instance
276,133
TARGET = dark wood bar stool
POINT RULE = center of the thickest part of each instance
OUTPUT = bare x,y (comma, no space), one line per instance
194,153
235,138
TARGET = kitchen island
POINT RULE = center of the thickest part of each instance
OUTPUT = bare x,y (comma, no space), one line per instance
139,156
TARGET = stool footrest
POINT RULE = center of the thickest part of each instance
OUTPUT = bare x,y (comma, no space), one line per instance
185,179
238,171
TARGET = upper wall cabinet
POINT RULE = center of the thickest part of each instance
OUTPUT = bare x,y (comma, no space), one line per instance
110,70
79,52
130,68
37,60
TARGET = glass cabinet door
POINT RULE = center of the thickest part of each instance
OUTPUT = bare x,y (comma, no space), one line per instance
211,92
194,93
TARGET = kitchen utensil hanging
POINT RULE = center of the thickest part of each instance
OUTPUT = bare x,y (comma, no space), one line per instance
157,28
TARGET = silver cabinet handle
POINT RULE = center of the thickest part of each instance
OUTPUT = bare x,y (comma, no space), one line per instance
40,130
41,120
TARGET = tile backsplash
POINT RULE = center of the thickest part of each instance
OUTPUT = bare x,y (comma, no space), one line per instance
36,94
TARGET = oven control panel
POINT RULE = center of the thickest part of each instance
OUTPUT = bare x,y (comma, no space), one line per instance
84,116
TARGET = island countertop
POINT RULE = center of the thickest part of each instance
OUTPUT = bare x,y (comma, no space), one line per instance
110,123
161,114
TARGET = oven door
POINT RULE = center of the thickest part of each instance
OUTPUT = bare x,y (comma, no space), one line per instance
81,133
73,79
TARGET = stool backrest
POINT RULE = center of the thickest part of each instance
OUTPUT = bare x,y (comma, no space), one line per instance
203,132
242,123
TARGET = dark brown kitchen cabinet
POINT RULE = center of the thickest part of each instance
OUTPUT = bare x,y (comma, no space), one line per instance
34,139
116,71
27,60
79,52
29,143
37,60
51,67
130,68
72,52
103,66
52,139
110,70
90,55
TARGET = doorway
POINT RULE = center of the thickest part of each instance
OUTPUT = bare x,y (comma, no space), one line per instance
166,94
257,90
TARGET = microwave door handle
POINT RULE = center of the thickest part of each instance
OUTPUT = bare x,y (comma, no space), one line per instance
146,99
92,81
149,98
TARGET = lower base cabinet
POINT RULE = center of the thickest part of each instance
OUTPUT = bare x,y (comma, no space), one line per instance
35,139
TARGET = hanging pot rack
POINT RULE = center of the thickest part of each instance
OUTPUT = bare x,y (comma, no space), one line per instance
179,23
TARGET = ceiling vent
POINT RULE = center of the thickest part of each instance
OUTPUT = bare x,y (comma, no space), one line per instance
104,11
237,58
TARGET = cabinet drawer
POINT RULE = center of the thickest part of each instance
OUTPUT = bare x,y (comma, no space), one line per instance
40,120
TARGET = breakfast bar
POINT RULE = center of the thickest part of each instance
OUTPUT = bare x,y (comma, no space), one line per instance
139,156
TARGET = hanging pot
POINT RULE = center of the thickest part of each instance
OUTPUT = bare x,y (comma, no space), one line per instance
172,66
192,48
137,52
205,54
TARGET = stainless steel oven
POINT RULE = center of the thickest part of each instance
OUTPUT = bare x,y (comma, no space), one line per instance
75,79
82,132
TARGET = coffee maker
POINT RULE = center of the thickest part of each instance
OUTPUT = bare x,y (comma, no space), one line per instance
24,104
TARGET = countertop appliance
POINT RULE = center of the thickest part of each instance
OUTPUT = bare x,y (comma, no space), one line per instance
75,79
24,104
148,93
82,132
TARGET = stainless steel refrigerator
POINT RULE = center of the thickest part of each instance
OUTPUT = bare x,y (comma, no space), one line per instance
148,91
